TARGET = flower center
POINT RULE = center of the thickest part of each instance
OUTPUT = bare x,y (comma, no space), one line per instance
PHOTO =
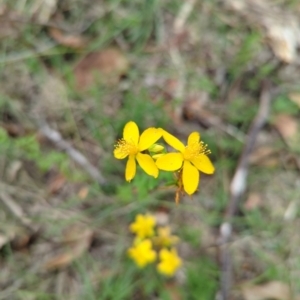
194,150
127,147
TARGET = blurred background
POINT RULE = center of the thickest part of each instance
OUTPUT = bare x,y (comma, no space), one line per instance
74,72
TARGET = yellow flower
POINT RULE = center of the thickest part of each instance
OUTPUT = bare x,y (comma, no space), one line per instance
191,158
143,226
169,262
142,253
164,237
132,144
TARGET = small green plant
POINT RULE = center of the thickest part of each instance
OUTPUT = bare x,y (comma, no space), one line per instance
27,147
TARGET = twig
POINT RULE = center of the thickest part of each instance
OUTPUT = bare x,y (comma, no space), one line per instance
205,118
238,183
183,15
225,260
56,138
29,21
174,51
237,189
41,50
180,67
16,210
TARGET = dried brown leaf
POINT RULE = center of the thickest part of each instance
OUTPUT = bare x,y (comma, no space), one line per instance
83,192
288,128
76,233
283,40
76,247
56,183
68,40
272,290
14,129
253,201
107,66
279,26
264,156
60,261
21,241
286,125
295,97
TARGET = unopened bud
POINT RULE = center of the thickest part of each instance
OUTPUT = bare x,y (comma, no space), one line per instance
156,148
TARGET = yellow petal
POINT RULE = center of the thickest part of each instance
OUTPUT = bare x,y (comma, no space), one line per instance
203,164
142,253
169,262
170,162
194,137
147,164
190,178
119,154
173,141
130,168
149,137
131,133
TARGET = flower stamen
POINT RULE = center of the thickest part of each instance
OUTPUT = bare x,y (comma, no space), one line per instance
195,149
126,147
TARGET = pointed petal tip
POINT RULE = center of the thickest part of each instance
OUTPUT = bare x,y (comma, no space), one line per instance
190,178
194,137
204,164
130,168
149,137
131,132
147,164
173,141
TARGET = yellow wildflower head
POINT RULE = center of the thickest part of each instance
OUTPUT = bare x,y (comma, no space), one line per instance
191,159
169,262
142,253
164,237
133,144
143,226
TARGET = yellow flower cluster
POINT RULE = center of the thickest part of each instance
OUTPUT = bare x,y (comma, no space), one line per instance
152,242
186,162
